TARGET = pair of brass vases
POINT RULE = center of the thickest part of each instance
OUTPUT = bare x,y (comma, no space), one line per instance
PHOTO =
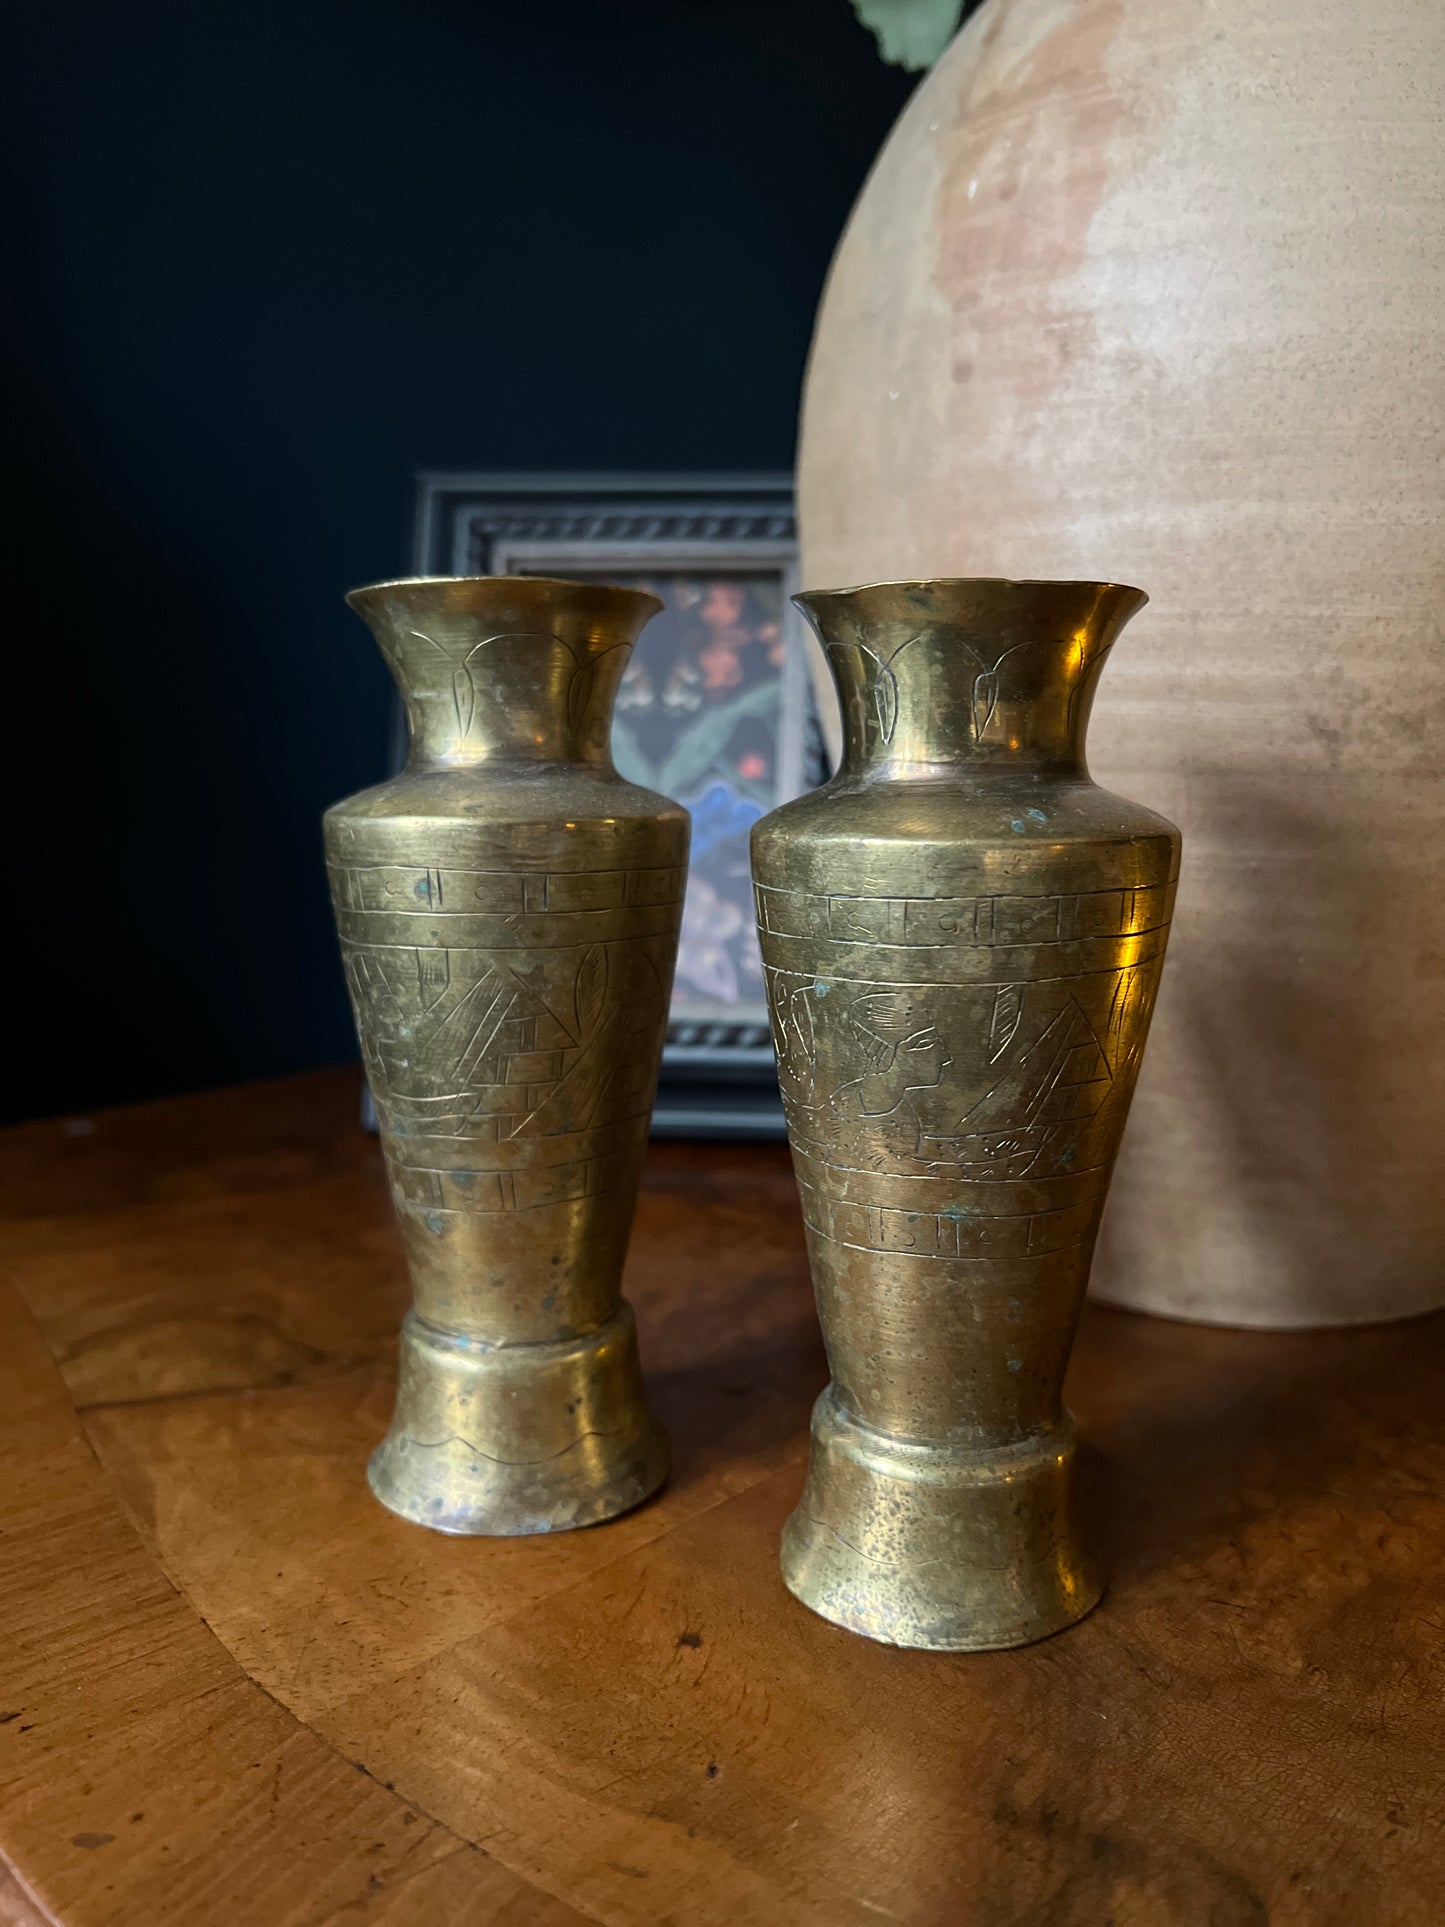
962,937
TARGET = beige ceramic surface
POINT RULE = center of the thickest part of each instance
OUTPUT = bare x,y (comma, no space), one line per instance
1152,291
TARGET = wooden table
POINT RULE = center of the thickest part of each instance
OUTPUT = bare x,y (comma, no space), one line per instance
236,1690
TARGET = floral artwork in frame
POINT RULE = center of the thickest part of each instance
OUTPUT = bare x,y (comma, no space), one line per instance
698,719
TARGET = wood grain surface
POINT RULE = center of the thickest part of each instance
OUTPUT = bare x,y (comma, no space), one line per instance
234,1690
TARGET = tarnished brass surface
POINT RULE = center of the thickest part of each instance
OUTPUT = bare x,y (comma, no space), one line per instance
962,937
508,910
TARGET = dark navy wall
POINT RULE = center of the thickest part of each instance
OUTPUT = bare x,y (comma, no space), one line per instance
270,260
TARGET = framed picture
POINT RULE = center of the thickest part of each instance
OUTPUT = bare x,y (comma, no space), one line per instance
716,709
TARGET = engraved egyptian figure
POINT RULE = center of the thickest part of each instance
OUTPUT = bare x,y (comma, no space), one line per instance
962,937
508,910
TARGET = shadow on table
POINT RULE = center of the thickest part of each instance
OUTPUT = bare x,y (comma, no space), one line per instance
1196,1435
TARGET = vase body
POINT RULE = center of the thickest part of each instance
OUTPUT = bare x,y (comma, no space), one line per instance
508,910
1103,300
962,938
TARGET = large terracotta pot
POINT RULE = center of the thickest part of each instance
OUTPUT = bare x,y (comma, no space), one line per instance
1151,291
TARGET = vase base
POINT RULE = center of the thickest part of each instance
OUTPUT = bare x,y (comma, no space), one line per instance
508,1440
922,1546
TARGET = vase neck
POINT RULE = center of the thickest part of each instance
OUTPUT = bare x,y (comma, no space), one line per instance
983,676
510,669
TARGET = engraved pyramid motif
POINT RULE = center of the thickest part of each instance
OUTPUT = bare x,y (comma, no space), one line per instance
462,1043
1064,1073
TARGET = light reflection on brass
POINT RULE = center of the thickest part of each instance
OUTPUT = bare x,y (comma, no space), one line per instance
508,910
962,938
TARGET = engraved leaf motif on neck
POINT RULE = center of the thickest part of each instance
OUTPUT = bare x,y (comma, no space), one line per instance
978,672
497,668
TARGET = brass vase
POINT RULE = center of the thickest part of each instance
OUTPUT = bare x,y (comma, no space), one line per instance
962,937
508,910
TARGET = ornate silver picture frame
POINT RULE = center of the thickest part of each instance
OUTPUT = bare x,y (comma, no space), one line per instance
716,710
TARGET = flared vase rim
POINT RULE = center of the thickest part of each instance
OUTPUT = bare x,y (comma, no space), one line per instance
365,592
932,582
